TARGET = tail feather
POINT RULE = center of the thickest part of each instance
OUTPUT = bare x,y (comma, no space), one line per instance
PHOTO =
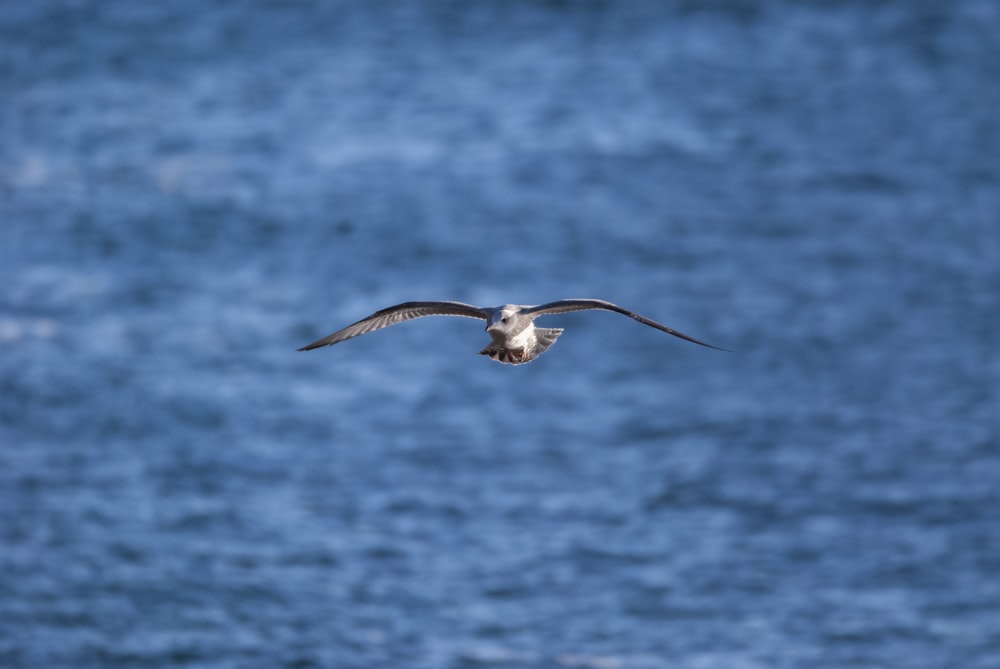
544,338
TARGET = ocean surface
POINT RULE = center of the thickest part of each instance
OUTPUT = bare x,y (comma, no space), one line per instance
190,191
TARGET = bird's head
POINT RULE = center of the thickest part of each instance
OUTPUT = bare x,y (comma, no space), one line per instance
503,320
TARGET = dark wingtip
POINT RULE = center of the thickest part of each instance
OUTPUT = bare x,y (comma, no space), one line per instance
319,343
700,342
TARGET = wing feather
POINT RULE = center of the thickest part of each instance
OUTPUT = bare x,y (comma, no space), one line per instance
564,306
397,314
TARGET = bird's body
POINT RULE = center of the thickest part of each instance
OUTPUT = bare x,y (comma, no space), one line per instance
515,339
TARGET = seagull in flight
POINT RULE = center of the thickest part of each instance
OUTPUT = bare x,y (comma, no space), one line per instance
516,340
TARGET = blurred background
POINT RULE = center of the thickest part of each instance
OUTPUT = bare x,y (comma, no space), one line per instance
189,191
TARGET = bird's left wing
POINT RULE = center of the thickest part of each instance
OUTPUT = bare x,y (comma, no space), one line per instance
397,314
564,306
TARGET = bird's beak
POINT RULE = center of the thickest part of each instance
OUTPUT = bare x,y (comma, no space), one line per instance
492,327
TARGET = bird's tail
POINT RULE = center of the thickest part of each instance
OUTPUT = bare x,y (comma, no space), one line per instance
544,337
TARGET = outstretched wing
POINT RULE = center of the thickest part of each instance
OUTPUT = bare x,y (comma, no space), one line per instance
563,306
398,314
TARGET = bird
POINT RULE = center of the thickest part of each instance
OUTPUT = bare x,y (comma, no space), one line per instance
515,339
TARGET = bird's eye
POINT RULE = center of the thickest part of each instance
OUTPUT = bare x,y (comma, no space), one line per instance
503,320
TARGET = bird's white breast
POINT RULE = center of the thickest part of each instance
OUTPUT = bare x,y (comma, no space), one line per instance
522,338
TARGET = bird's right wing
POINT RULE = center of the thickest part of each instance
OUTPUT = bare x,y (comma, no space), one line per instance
564,306
397,314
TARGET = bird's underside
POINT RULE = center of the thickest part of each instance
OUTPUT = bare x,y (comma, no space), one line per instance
515,339
518,355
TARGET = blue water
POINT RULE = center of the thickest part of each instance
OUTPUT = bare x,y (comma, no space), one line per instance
191,191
